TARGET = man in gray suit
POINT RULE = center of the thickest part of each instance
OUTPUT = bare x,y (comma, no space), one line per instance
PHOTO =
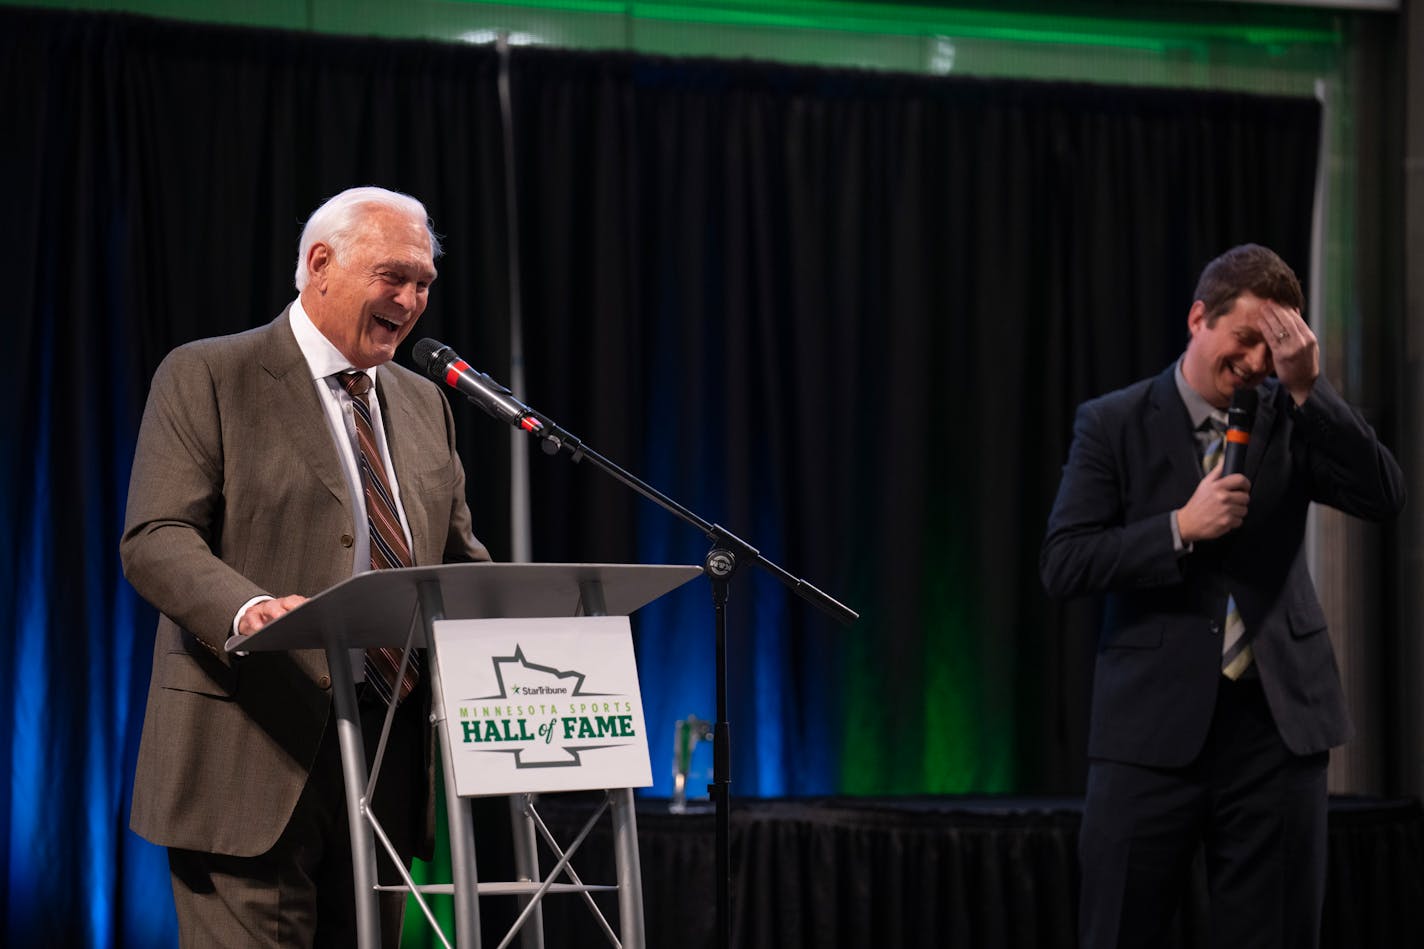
1215,695
246,497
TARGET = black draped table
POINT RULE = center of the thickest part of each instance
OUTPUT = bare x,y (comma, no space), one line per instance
982,873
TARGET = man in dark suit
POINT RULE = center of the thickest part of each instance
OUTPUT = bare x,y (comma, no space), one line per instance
1216,697
246,497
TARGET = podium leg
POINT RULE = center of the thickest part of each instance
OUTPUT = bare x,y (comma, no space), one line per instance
353,775
630,871
458,818
526,868
625,820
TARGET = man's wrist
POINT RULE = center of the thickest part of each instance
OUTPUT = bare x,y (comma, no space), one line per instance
1178,544
242,611
1299,393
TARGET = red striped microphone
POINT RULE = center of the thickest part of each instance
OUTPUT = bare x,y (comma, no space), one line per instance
442,364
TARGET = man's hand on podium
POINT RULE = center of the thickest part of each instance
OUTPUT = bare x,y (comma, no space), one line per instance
260,614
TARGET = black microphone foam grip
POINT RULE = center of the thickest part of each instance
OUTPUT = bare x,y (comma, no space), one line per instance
1239,419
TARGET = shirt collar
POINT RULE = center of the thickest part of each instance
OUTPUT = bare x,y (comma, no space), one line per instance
1197,407
323,358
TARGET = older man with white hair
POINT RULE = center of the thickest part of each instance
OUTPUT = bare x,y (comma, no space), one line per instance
271,465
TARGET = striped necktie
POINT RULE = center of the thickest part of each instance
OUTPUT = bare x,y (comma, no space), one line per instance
388,544
1235,649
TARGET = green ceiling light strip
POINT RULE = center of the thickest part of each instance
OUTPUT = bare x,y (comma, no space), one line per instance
1005,26
609,7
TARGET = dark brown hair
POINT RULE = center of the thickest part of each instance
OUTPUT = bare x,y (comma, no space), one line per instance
1247,267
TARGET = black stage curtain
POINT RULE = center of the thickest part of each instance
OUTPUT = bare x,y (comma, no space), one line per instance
943,872
851,314
847,314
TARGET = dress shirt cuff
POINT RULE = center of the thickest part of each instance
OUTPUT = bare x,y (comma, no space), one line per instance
242,611
1177,544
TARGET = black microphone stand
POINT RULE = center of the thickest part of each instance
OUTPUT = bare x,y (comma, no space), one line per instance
729,553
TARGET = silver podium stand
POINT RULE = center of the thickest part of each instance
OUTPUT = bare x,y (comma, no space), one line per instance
371,609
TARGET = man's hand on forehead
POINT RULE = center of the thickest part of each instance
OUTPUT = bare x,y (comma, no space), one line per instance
1295,351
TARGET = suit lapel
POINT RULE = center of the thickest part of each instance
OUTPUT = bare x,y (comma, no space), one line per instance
292,398
1170,429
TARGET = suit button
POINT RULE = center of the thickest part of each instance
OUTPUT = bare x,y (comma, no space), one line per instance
323,682
1216,629
347,540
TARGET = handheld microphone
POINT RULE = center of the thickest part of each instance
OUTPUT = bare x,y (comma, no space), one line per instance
1239,419
442,364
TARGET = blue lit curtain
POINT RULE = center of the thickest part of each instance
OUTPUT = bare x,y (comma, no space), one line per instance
158,180
772,292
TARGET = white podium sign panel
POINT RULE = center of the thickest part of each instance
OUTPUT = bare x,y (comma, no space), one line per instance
544,704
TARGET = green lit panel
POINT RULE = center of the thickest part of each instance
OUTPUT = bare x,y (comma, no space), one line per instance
967,743
1265,51
933,728
1141,28
786,44
1223,66
471,22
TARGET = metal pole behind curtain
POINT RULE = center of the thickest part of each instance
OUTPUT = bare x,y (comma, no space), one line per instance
521,545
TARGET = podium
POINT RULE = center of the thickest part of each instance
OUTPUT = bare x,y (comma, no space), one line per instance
398,608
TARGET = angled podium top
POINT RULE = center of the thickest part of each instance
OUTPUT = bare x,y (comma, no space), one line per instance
377,608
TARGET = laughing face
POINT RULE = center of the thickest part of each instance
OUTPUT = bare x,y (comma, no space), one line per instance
367,301
1227,353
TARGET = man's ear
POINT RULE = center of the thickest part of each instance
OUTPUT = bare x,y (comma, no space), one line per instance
1196,317
319,261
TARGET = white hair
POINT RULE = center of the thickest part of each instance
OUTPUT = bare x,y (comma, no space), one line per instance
335,223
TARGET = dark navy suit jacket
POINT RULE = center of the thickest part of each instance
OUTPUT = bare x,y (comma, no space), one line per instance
1133,460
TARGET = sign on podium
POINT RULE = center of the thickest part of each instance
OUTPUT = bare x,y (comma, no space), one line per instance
543,704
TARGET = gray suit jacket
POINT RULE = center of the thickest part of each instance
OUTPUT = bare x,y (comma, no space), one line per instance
1133,460
237,491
